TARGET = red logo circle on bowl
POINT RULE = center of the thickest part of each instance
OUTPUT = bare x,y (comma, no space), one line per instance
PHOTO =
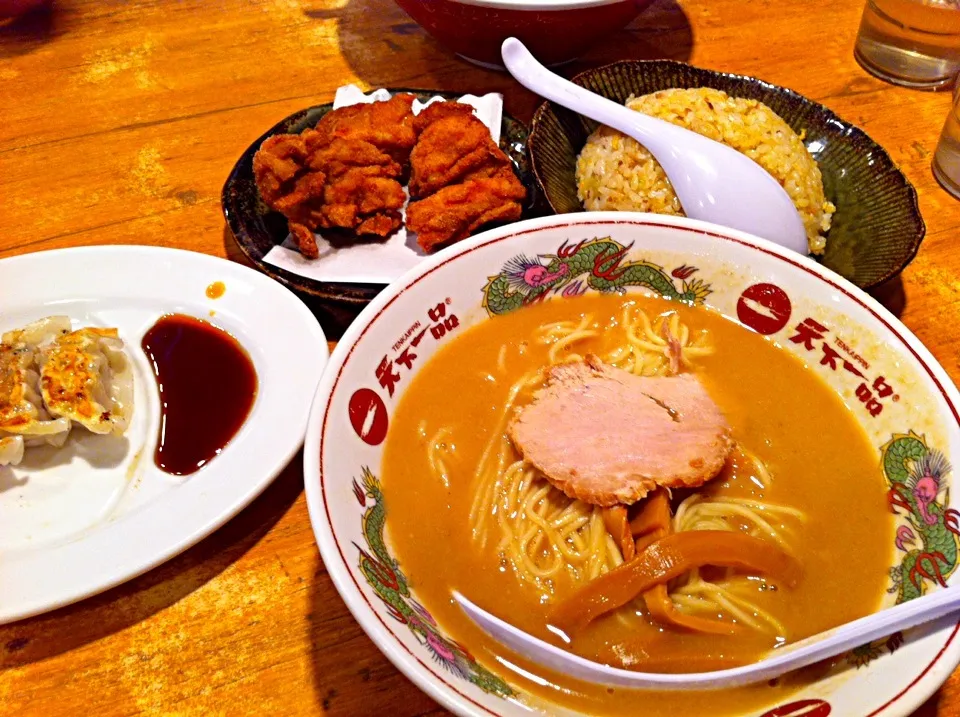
368,416
801,708
765,308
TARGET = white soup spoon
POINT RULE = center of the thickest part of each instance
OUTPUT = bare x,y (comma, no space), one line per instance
778,662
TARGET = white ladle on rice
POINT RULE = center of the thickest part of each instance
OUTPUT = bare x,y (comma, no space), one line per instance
713,182
778,662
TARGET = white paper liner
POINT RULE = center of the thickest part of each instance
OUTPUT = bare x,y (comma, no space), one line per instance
374,260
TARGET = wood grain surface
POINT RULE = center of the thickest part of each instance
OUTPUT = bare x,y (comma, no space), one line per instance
118,124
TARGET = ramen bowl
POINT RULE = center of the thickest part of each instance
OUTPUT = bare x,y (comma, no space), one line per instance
883,381
556,31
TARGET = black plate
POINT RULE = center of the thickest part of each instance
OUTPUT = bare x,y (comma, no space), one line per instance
257,229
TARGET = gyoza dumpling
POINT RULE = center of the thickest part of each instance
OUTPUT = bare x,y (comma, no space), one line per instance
85,376
11,450
22,412
38,332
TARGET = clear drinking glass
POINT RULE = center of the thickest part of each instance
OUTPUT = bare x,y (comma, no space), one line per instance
946,160
915,43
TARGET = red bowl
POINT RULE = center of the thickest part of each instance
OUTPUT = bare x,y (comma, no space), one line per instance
555,31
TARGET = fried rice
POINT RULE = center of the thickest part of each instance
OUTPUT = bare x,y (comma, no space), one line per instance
615,172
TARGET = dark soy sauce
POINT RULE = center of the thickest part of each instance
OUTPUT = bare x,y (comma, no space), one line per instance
207,387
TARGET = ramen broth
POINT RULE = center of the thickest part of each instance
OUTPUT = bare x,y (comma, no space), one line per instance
818,457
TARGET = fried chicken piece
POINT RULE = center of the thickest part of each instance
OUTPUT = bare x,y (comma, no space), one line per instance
342,155
284,180
459,175
355,201
439,110
454,212
304,198
288,186
305,239
318,182
366,204
386,125
453,147
277,166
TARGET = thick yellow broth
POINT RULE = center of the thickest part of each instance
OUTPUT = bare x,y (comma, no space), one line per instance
818,455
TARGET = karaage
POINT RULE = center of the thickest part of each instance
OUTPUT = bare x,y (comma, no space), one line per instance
346,174
454,146
366,204
288,186
452,213
387,125
341,174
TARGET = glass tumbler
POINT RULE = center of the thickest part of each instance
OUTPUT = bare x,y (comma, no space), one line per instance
946,160
915,43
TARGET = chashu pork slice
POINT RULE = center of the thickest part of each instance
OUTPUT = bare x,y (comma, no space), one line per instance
606,436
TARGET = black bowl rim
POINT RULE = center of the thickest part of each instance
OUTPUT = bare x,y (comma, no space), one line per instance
344,294
850,130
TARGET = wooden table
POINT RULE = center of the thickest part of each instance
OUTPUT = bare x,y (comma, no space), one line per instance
118,124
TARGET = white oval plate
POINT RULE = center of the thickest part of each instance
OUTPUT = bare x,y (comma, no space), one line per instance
78,520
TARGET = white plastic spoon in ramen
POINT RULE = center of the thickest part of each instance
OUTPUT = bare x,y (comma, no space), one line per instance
780,661
713,182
